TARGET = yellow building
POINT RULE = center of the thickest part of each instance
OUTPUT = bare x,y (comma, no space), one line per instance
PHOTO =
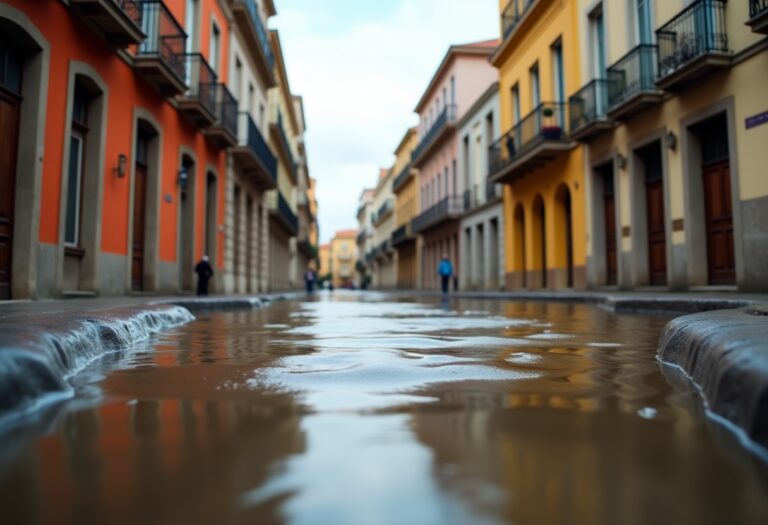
674,112
405,187
541,167
343,257
314,227
324,260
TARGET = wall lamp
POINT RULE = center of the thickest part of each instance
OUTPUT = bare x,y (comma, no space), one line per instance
621,161
183,177
119,170
671,141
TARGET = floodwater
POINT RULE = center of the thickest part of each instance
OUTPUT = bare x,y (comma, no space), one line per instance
373,409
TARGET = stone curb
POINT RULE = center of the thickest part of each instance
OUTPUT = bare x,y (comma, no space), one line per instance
726,354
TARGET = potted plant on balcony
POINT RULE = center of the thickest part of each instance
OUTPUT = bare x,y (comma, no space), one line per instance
550,130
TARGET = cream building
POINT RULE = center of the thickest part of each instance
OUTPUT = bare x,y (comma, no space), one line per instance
364,240
306,248
404,240
342,258
675,115
384,263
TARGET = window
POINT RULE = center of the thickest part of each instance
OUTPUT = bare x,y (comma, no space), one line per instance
535,86
215,47
79,130
597,30
445,182
643,26
238,79
558,71
445,97
454,177
190,24
453,91
516,103
250,103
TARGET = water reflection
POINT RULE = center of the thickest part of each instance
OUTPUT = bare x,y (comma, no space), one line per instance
365,409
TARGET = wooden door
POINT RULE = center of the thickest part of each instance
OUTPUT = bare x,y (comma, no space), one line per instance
139,223
611,261
719,216
657,237
9,129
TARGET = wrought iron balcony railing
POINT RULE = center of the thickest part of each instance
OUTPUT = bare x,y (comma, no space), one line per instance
202,80
588,105
697,30
545,123
401,178
226,116
450,207
362,236
632,74
385,210
448,116
286,213
512,15
401,234
757,8
119,21
285,145
261,31
166,40
251,139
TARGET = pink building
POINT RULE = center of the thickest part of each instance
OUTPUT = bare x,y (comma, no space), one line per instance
462,77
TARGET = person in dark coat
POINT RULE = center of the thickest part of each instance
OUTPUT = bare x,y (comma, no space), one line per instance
204,273
445,271
309,279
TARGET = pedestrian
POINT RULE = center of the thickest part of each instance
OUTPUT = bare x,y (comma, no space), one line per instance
309,280
204,273
445,271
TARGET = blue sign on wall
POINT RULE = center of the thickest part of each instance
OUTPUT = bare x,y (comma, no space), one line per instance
757,120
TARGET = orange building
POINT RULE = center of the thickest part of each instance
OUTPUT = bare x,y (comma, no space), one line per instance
116,120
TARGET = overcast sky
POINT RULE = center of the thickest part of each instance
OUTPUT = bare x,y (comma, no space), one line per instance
361,67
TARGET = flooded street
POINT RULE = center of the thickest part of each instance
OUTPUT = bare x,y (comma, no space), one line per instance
374,409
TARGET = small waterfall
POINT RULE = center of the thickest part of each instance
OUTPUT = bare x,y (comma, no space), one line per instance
38,357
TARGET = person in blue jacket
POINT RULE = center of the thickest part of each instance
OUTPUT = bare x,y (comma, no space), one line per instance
445,271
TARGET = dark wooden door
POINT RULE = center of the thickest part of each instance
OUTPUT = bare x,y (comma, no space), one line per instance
657,236
9,131
611,262
139,223
719,212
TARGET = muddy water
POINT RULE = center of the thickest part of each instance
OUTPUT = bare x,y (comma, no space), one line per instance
372,410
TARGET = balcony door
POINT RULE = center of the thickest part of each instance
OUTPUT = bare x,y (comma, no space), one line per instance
10,109
643,22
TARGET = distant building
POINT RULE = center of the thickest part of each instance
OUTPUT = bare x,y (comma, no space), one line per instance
405,187
342,258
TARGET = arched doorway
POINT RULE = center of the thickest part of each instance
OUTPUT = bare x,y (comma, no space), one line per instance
539,242
519,253
186,231
564,232
144,210
25,56
211,210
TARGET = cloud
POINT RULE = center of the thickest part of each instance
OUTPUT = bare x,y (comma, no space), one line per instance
361,68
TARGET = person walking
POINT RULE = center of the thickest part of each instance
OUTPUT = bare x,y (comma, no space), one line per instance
309,280
445,271
204,273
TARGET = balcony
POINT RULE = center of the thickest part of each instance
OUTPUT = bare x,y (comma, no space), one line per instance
537,139
160,58
403,177
448,209
444,124
253,155
758,16
223,132
282,212
199,102
280,138
587,108
305,247
692,45
248,19
512,15
385,212
362,236
117,21
403,235
384,250
632,83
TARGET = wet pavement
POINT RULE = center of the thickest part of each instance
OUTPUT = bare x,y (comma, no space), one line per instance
374,409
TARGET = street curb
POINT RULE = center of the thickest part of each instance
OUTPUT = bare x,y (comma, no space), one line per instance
725,353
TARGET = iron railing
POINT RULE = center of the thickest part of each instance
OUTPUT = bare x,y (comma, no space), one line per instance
400,234
285,211
226,109
401,178
201,79
757,7
132,9
286,144
697,30
362,236
448,207
251,136
448,116
632,74
261,31
165,37
385,208
492,191
545,123
512,15
588,104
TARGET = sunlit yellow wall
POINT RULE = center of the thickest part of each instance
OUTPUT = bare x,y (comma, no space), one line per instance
343,257
546,22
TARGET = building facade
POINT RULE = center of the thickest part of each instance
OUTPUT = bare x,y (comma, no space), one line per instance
461,78
482,226
671,112
384,261
364,240
540,165
404,240
343,254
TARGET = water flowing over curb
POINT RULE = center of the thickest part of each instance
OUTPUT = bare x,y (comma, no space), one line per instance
726,354
38,357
